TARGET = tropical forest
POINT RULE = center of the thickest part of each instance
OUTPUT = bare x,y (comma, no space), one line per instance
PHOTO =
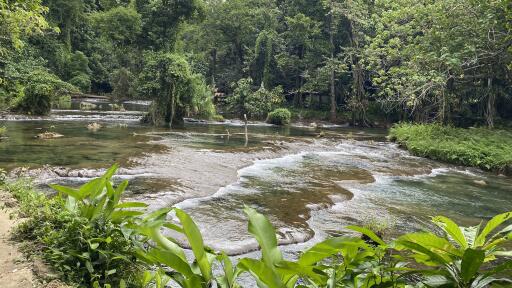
255,143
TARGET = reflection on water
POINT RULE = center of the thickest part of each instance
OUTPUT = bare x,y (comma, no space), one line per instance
311,182
79,148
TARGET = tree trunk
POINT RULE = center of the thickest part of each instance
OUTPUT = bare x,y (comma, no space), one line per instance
172,107
214,65
333,88
491,99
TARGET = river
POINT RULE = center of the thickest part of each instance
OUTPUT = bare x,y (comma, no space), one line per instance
310,182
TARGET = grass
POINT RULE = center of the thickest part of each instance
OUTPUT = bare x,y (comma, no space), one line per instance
477,147
3,130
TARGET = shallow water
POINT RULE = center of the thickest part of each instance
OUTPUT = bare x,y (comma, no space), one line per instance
311,182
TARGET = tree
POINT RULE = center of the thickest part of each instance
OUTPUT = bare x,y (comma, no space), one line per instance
161,20
174,88
19,19
432,59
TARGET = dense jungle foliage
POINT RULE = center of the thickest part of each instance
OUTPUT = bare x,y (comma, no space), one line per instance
446,61
95,240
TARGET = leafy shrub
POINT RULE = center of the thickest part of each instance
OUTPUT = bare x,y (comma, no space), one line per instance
63,102
242,91
82,231
177,91
37,99
461,257
261,102
255,104
82,81
19,74
478,147
279,116
218,118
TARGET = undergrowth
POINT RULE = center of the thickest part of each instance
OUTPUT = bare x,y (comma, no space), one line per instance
477,147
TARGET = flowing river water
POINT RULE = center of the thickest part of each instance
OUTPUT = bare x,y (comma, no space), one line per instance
310,182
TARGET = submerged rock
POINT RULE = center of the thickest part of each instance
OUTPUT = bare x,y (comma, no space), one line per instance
480,182
94,126
48,135
87,106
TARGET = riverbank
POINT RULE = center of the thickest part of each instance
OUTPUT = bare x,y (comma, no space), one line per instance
17,270
487,149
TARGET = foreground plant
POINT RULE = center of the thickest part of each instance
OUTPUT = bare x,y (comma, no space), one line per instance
83,231
463,256
96,240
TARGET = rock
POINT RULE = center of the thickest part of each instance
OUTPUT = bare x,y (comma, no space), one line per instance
87,106
313,125
94,126
48,135
480,182
56,284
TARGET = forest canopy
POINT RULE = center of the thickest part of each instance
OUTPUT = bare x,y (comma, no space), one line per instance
358,60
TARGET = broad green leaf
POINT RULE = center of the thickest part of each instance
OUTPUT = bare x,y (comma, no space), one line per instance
368,233
437,258
296,269
471,262
261,272
490,226
119,216
171,260
452,229
261,228
92,188
328,248
195,239
110,172
432,242
131,205
68,191
228,278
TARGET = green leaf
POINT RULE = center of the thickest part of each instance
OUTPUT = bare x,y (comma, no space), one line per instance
228,278
264,232
89,267
328,248
195,240
368,233
452,229
437,258
171,260
289,270
121,215
92,188
263,274
68,191
131,205
491,225
471,262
